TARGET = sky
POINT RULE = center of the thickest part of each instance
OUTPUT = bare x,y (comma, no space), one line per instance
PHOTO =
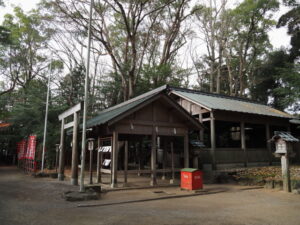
278,37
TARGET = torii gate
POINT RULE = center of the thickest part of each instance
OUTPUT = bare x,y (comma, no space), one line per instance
74,168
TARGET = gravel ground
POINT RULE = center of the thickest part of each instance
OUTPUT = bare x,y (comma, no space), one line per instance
37,201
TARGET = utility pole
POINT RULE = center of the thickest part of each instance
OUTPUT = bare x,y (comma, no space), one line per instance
83,146
46,117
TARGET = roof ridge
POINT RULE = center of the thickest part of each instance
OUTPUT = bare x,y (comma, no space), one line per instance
217,95
152,92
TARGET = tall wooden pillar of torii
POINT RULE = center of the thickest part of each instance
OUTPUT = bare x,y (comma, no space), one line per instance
74,168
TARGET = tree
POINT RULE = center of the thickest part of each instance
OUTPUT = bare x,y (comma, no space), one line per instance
278,82
236,39
22,56
292,20
132,33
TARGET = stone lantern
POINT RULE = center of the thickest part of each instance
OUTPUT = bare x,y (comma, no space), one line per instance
284,149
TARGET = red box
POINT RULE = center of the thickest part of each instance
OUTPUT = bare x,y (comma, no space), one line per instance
191,179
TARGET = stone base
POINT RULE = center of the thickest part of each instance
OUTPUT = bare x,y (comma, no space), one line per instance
153,183
74,181
74,196
113,185
125,185
61,177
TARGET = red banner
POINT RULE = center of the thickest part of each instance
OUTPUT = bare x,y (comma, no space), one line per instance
31,147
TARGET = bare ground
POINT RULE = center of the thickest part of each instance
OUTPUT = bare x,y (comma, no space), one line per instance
37,201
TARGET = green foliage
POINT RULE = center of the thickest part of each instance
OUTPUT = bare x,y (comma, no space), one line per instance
155,76
28,115
292,20
22,56
278,82
72,86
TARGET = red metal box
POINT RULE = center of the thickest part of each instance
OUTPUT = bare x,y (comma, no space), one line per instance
191,179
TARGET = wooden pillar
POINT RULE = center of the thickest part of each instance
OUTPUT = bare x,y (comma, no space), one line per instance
139,153
125,163
195,162
115,148
172,163
91,167
243,144
99,161
268,137
285,173
153,160
164,159
186,151
213,140
61,166
201,132
74,166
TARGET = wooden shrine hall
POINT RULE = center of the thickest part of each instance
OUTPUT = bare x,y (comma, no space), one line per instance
148,134
151,134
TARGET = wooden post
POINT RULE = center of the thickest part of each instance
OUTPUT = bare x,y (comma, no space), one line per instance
74,166
243,144
61,167
195,162
125,163
139,157
164,160
186,151
213,140
115,147
285,173
172,163
91,166
201,132
268,137
99,162
57,156
153,160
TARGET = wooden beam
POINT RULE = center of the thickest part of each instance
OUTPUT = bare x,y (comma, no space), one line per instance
243,143
70,111
74,165
69,125
61,166
115,148
152,123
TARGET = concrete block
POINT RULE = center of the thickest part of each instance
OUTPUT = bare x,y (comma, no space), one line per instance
296,191
74,196
278,184
269,184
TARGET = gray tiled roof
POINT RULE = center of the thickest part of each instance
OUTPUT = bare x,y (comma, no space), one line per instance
221,102
285,136
114,111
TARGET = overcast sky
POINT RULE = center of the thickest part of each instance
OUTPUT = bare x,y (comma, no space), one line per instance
278,37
